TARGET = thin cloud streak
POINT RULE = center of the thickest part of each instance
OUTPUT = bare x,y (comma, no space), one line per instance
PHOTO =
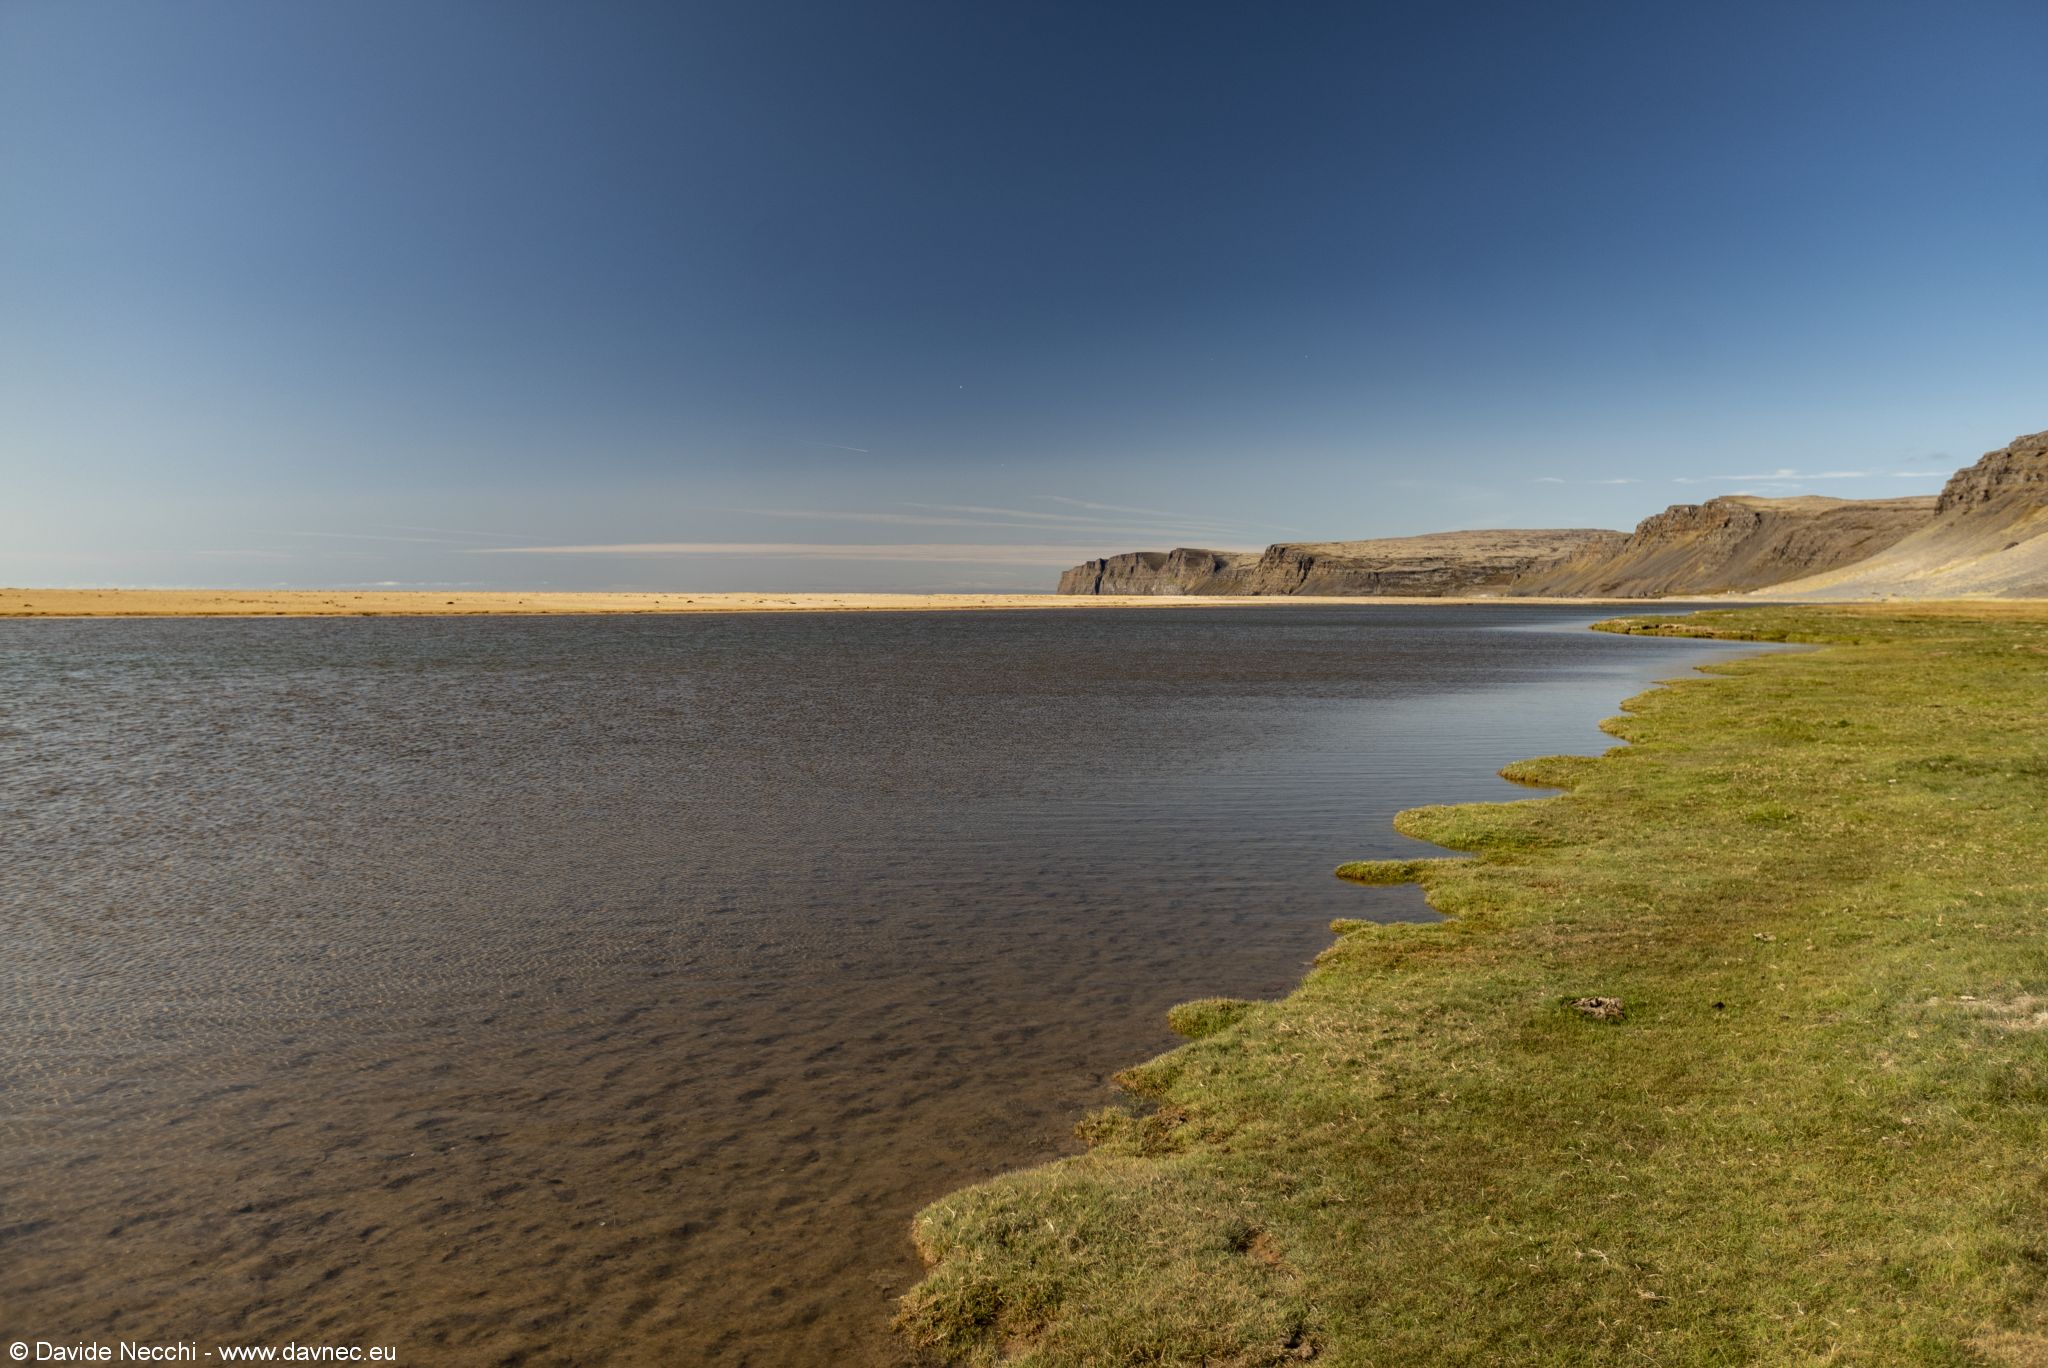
1039,522
458,532
1175,521
830,446
992,554
1803,477
371,536
1155,512
886,519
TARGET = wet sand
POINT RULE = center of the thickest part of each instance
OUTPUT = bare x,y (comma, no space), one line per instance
76,603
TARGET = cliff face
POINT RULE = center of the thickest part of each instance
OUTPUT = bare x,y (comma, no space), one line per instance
1735,543
1985,534
2014,477
1988,536
1427,566
1184,570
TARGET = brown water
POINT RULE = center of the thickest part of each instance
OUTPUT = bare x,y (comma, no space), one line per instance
615,989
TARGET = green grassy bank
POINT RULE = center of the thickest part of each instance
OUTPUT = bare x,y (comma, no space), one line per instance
1819,1132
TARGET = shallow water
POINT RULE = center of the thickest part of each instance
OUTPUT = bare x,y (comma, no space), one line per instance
615,989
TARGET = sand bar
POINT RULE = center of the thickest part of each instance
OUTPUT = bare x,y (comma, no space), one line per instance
78,603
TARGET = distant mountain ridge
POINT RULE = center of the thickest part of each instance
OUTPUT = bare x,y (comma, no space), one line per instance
1427,566
1983,535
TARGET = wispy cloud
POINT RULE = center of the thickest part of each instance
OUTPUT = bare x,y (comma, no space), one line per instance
1095,507
372,536
1790,476
942,520
859,516
456,532
1012,519
805,441
969,553
1168,522
1560,480
444,536
1786,474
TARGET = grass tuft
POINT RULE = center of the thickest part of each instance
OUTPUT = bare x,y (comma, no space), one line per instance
1550,771
1386,871
1204,1017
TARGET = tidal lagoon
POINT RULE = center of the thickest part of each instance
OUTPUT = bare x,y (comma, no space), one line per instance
578,989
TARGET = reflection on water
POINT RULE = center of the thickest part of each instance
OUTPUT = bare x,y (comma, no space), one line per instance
616,988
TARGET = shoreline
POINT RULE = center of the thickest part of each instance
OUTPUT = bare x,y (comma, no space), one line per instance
302,603
1586,1069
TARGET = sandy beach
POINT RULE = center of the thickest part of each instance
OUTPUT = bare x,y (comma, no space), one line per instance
80,603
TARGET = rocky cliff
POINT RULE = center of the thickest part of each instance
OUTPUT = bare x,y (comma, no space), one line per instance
1985,534
1988,536
1734,543
1184,570
2013,478
1427,566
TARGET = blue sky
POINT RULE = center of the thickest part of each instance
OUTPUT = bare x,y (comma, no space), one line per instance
946,295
